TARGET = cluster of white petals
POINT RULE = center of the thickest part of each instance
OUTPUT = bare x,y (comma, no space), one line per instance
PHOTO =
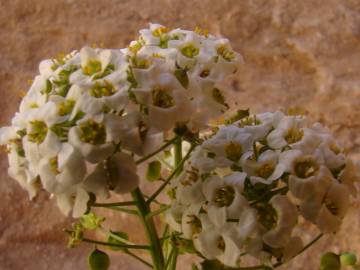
245,186
86,115
176,74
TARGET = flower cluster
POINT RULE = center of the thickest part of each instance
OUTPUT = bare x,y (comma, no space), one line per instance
244,188
88,113
175,75
69,123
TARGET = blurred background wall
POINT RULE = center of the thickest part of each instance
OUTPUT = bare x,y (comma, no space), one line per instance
299,53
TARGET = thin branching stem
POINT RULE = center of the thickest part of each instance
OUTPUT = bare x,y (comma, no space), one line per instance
145,247
171,176
141,160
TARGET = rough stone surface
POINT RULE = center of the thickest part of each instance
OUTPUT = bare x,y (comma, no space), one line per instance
301,53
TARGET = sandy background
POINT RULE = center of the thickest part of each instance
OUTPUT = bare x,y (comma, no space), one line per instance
298,53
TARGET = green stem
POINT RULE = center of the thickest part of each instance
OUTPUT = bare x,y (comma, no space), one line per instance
174,259
178,155
128,252
158,212
115,245
113,204
150,230
303,249
122,209
141,160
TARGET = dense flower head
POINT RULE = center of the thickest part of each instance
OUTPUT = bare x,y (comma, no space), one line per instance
176,75
87,114
68,125
245,186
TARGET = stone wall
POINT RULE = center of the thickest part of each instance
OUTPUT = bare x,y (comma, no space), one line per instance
299,53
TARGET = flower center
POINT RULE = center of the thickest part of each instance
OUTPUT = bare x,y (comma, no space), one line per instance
249,121
190,50
225,52
140,62
66,107
195,224
92,67
54,165
265,170
38,131
331,206
102,89
305,168
204,73
335,149
233,151
267,215
201,32
161,98
160,31
221,244
224,196
93,132
293,135
192,176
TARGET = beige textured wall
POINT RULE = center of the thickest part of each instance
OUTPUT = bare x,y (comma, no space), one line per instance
298,53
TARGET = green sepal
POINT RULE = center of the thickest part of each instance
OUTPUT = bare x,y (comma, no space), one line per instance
182,76
91,221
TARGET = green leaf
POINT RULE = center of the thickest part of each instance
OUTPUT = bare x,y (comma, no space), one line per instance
91,221
153,172
181,75
330,261
98,260
348,259
112,240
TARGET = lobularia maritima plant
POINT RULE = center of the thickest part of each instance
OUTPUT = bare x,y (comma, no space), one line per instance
236,190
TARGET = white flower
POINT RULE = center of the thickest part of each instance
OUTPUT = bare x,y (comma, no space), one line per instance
286,218
93,137
224,197
166,100
74,200
65,169
123,173
189,187
136,135
309,178
228,145
265,169
259,125
331,152
96,64
349,176
292,248
35,97
287,132
173,216
334,207
191,221
218,243
19,171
